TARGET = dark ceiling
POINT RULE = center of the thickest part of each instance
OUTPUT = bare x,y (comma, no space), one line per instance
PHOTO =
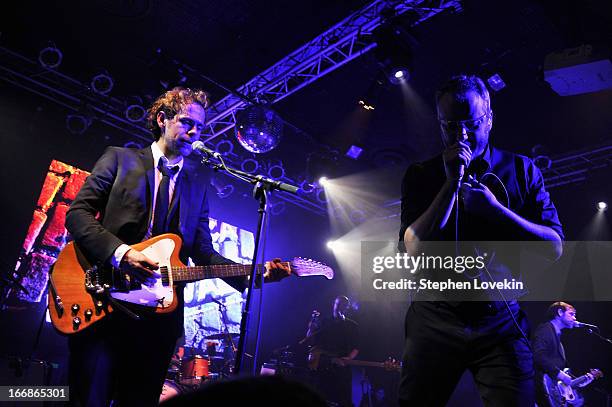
233,40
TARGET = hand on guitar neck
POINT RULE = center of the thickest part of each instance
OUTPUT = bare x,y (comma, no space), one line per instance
276,270
144,270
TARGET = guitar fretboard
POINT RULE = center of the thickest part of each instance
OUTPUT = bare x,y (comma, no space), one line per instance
195,273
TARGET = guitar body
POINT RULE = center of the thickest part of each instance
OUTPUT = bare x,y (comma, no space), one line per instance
561,394
81,294
570,395
73,307
554,395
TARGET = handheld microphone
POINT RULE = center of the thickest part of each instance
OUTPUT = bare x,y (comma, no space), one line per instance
584,325
461,173
199,146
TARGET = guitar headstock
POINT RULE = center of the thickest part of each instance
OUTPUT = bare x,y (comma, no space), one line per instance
392,365
308,267
596,373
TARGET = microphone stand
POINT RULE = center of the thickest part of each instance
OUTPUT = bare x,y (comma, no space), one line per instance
263,186
600,336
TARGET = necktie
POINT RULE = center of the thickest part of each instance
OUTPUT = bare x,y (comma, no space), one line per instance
160,214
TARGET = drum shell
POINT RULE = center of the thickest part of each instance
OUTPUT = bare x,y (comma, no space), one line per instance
194,370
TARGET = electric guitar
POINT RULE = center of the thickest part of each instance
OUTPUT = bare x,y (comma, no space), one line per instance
561,394
320,359
91,292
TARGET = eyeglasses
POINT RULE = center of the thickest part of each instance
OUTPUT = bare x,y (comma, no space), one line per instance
453,126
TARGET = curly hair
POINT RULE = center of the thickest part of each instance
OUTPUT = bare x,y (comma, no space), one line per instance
171,102
460,85
554,308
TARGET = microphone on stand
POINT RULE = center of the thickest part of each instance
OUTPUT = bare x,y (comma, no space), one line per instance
200,147
585,325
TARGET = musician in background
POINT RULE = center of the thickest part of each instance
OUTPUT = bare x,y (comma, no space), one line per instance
548,351
131,196
334,343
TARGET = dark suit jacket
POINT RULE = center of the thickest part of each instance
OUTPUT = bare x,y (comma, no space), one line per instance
547,351
120,188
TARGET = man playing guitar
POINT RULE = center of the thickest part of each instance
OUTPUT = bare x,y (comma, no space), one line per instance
553,383
133,196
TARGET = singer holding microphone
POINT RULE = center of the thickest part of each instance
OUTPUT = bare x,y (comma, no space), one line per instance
130,196
471,191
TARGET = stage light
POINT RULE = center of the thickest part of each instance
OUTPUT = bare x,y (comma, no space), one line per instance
77,123
258,129
365,104
394,51
332,244
496,82
323,181
249,165
102,83
307,187
276,171
224,147
50,57
278,208
399,75
223,190
135,112
602,206
354,152
357,216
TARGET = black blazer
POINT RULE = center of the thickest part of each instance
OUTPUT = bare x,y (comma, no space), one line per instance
120,189
547,351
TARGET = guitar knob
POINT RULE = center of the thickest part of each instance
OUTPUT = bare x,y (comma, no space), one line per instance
99,306
76,322
75,308
88,314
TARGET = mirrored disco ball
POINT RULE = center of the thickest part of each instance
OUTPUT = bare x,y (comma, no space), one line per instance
258,129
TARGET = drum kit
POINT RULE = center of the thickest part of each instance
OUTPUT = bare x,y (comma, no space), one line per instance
188,373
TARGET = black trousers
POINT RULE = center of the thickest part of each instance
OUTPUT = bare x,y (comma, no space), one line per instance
443,340
122,360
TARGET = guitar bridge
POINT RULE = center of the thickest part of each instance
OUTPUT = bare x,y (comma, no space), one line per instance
94,283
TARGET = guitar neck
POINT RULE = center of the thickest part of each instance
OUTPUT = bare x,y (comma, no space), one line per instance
195,273
579,380
364,363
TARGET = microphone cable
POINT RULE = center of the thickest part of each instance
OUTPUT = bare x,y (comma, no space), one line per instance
505,301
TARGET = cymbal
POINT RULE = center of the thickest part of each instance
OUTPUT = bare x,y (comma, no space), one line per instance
222,336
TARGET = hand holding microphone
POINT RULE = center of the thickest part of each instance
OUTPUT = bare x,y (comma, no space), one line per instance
457,158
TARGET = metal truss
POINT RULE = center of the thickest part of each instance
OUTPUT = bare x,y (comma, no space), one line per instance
27,74
576,167
337,46
68,92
